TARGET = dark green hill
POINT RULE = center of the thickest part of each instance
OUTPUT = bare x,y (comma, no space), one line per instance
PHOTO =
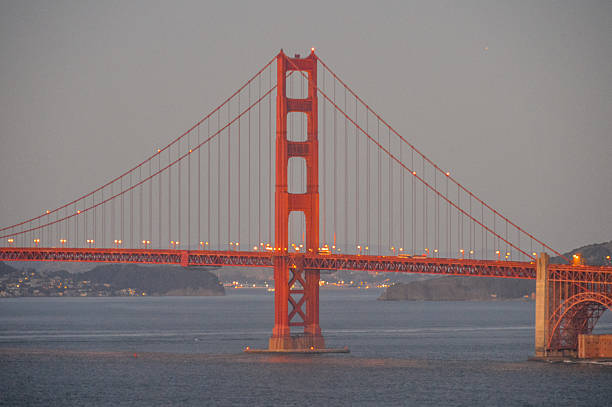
593,254
457,288
6,269
155,280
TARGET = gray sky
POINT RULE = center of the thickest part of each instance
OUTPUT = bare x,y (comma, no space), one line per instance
515,98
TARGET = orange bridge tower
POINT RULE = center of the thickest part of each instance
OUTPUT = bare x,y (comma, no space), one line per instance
295,286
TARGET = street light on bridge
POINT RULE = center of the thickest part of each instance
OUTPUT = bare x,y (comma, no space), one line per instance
10,241
174,244
146,243
36,242
90,242
63,242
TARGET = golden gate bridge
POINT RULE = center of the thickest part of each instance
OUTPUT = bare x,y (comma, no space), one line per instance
296,172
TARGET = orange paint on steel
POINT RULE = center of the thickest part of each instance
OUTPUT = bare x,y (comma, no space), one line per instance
286,202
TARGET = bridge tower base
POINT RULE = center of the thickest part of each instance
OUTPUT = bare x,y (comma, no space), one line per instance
541,305
546,300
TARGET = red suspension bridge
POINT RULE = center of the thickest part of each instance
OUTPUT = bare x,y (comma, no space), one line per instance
295,171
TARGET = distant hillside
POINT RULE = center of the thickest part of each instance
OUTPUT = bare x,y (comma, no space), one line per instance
158,280
457,288
593,254
6,269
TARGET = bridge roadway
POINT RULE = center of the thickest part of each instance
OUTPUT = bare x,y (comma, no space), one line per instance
428,265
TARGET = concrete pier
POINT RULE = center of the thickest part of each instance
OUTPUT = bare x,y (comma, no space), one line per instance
542,305
594,346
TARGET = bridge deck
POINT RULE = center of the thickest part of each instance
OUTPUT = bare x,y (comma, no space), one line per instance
464,267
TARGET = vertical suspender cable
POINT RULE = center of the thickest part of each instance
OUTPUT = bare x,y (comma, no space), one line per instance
448,222
437,215
335,147
131,212
413,222
323,176
169,198
378,205
239,173
390,194
518,238
249,169
141,204
122,218
368,191
208,204
199,191
150,235
112,223
471,224
218,191
189,192
178,155
76,228
259,158
483,240
425,241
403,200
159,197
103,221
345,237
229,171
357,219
506,237
495,246
93,198
459,222
270,176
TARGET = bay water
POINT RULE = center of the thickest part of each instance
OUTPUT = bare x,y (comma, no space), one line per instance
150,351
